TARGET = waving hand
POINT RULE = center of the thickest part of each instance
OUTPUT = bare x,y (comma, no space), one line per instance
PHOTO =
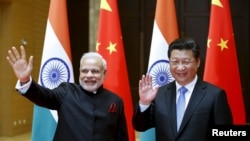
147,92
19,64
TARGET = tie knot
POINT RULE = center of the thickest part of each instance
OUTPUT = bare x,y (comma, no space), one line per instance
183,90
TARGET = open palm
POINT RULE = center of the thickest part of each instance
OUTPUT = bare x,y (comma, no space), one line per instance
147,92
19,64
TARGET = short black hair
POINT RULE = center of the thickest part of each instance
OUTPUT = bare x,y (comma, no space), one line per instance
185,43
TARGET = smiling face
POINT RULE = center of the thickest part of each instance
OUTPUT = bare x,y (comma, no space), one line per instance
92,73
183,65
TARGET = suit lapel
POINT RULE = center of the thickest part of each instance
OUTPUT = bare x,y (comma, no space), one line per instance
171,104
196,97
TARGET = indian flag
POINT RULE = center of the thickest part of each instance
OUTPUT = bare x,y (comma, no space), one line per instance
165,30
55,68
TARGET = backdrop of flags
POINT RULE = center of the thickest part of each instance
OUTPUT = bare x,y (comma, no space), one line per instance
110,45
165,30
56,67
221,65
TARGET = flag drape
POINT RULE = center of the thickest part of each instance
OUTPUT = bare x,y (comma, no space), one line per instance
165,30
110,45
221,65
56,67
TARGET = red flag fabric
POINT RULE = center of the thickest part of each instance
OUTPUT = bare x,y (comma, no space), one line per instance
221,65
110,45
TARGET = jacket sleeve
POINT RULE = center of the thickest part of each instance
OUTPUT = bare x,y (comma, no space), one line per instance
222,112
48,98
122,132
143,120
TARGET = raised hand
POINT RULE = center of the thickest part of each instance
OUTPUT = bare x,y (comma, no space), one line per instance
19,64
147,92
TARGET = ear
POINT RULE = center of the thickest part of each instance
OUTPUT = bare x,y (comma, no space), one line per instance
198,63
104,73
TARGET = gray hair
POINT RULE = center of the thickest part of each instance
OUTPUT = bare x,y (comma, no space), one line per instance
94,55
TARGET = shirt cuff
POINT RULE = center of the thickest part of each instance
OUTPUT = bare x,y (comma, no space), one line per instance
23,88
143,107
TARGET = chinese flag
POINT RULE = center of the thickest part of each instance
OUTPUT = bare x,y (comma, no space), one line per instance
221,66
110,45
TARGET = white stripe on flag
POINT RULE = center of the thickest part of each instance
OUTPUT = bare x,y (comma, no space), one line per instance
158,65
53,49
159,46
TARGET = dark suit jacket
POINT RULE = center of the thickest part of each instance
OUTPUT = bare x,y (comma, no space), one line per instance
207,107
82,116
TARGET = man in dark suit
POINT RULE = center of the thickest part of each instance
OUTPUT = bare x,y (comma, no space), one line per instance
204,105
86,112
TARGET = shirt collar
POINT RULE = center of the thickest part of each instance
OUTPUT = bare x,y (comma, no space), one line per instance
189,86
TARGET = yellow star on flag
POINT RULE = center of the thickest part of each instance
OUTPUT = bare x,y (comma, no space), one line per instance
217,3
111,48
105,5
208,42
223,44
97,46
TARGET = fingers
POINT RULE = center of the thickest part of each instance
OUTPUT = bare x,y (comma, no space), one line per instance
23,52
31,62
14,55
10,61
141,82
11,58
146,81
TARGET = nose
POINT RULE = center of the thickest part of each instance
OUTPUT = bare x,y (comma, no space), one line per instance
181,67
89,73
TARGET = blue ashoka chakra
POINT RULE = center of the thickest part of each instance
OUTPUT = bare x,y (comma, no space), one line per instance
54,71
160,73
